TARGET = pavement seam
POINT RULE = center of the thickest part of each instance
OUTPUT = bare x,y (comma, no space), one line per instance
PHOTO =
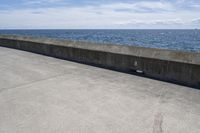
33,82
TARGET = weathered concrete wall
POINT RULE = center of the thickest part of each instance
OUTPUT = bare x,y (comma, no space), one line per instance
174,66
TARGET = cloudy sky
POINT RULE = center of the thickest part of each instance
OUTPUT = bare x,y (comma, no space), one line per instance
99,14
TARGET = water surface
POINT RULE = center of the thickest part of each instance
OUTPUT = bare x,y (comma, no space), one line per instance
184,40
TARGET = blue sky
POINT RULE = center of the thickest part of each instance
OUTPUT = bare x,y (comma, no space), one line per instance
99,14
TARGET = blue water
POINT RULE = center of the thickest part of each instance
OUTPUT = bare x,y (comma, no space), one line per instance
184,40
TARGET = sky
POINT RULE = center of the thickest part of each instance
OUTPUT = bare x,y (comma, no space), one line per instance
99,14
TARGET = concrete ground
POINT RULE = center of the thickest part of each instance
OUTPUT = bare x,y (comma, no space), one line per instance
40,94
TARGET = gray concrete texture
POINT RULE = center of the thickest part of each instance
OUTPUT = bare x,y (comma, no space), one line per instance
40,94
173,66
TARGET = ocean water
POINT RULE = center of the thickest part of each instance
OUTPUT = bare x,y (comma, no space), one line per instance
183,40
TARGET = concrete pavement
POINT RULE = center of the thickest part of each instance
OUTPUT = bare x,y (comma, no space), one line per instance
40,94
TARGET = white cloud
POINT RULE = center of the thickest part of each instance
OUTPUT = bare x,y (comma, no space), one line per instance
196,6
151,22
117,15
41,1
144,6
196,21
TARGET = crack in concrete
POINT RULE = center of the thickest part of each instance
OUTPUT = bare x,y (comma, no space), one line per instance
158,117
158,121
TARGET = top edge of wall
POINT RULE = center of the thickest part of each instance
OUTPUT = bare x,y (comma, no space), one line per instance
161,54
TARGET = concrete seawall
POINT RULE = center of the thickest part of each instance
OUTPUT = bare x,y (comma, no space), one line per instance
173,66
